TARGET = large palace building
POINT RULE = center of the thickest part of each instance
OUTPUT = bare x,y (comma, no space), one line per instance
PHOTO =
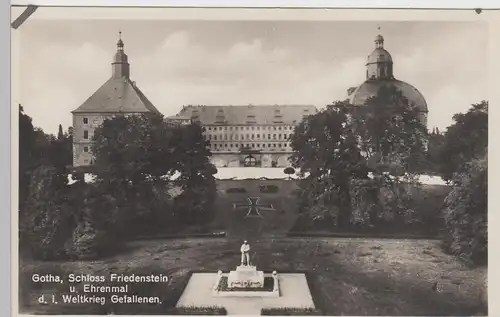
240,136
250,136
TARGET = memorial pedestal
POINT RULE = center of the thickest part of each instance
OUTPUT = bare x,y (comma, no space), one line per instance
246,276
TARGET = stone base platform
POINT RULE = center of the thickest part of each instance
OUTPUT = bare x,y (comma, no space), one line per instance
293,293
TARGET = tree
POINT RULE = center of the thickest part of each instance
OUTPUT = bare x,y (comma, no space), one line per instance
389,132
466,212
465,140
136,156
326,150
133,154
196,175
436,143
392,139
27,140
341,146
289,171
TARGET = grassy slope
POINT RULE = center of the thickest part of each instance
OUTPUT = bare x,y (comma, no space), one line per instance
347,276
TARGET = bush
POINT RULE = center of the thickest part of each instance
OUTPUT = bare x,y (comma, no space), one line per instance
289,171
466,214
48,221
89,243
375,202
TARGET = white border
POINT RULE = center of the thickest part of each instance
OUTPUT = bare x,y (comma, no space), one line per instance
492,17
425,4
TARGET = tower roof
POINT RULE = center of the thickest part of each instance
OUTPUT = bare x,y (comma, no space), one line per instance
379,54
118,94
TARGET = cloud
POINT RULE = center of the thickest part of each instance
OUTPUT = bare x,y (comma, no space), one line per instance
58,76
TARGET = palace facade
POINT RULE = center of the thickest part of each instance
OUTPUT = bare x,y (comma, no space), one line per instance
249,136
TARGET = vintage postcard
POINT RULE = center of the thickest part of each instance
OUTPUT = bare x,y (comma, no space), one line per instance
251,162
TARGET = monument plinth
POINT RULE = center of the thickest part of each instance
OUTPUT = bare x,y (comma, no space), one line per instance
246,276
247,290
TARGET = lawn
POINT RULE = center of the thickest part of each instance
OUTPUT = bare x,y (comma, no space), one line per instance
346,276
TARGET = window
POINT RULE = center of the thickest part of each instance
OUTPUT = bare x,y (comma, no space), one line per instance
253,128
279,128
274,145
248,128
252,136
274,128
279,136
85,120
86,149
225,145
225,136
269,137
269,145
85,134
279,144
209,128
274,136
258,136
253,144
215,137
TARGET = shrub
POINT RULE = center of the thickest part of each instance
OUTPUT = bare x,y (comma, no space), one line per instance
466,213
89,243
289,171
49,219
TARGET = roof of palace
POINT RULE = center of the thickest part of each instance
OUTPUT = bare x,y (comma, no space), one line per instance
249,114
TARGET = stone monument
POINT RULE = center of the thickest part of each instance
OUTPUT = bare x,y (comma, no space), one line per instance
246,275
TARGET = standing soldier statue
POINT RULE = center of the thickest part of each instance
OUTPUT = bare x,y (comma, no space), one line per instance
245,254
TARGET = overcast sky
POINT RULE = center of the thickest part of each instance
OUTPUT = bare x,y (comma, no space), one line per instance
177,63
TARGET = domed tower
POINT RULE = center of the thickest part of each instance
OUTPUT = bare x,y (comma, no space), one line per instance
379,63
379,73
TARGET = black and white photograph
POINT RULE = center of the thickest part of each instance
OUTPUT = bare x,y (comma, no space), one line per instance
251,165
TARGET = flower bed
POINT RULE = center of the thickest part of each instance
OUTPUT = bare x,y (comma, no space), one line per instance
286,311
268,286
193,310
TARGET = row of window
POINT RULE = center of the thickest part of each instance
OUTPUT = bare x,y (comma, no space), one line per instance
253,128
249,145
248,137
